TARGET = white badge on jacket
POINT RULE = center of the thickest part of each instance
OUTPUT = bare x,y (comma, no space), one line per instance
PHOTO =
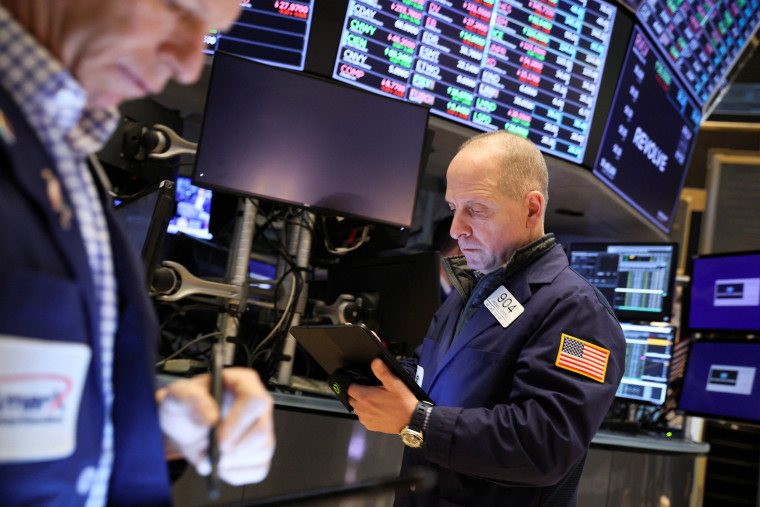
41,384
504,306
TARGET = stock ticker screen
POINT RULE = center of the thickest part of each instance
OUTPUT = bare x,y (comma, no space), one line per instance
648,355
649,136
532,67
275,32
638,280
702,38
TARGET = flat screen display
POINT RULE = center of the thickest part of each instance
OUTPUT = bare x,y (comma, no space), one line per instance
275,32
648,356
193,210
650,135
725,293
638,280
290,137
702,39
721,381
532,67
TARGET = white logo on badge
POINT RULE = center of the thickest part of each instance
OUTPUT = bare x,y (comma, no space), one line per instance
504,306
41,383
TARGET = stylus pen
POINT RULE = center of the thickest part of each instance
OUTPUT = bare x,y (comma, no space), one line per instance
217,361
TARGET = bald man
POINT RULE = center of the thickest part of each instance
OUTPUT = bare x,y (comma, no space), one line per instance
79,422
523,358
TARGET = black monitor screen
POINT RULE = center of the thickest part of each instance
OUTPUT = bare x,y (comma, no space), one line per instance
702,39
638,280
721,381
275,32
650,135
725,293
294,138
648,355
529,66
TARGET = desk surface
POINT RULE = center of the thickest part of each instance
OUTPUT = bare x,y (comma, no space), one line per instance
602,438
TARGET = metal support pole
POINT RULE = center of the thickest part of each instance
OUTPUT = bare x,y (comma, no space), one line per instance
299,247
237,273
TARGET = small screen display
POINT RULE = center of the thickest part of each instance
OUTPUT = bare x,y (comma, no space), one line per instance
648,355
725,293
193,210
722,380
637,279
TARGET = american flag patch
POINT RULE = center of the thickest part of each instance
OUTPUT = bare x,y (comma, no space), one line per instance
582,357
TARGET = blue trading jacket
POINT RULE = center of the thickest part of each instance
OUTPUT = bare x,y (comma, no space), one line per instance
511,427
46,293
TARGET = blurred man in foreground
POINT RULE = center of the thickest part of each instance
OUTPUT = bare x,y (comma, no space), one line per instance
79,423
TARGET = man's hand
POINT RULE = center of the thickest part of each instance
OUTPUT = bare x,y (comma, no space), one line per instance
187,411
386,408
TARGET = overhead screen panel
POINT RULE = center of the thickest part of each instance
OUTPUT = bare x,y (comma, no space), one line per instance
532,67
650,135
275,32
702,39
350,152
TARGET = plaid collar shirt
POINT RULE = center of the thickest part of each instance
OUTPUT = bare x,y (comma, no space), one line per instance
56,107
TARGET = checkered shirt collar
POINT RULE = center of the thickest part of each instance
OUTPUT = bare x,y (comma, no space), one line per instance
47,93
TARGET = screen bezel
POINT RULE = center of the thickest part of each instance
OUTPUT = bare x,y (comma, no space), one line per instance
633,316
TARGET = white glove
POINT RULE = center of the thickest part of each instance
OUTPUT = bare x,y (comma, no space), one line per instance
245,434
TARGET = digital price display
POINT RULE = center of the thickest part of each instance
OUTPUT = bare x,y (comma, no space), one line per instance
532,67
275,32
702,38
649,136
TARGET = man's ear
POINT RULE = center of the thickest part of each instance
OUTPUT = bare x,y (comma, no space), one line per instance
535,202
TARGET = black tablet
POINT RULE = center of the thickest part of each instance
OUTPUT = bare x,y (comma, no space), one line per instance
351,348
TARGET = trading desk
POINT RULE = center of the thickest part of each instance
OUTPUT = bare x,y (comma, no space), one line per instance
321,447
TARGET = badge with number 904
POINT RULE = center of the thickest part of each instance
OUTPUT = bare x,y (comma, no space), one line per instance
504,306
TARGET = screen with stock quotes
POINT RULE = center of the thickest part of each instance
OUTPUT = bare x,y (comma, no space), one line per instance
275,32
702,38
532,67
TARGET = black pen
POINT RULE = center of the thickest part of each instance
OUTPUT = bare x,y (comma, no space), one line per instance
217,363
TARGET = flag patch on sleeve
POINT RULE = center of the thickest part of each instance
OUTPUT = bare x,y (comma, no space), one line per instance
582,357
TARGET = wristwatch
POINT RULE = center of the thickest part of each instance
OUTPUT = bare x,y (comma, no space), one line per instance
412,435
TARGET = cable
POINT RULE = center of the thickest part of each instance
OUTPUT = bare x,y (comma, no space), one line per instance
192,342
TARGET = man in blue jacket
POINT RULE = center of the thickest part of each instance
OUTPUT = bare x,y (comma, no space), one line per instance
79,423
522,360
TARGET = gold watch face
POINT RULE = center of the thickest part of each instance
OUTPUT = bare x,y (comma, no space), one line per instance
411,438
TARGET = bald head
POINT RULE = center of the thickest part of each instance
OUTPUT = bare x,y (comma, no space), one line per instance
521,165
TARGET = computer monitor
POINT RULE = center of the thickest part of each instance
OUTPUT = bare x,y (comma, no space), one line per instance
725,294
703,40
275,33
638,279
721,381
193,210
533,68
291,137
650,135
648,356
